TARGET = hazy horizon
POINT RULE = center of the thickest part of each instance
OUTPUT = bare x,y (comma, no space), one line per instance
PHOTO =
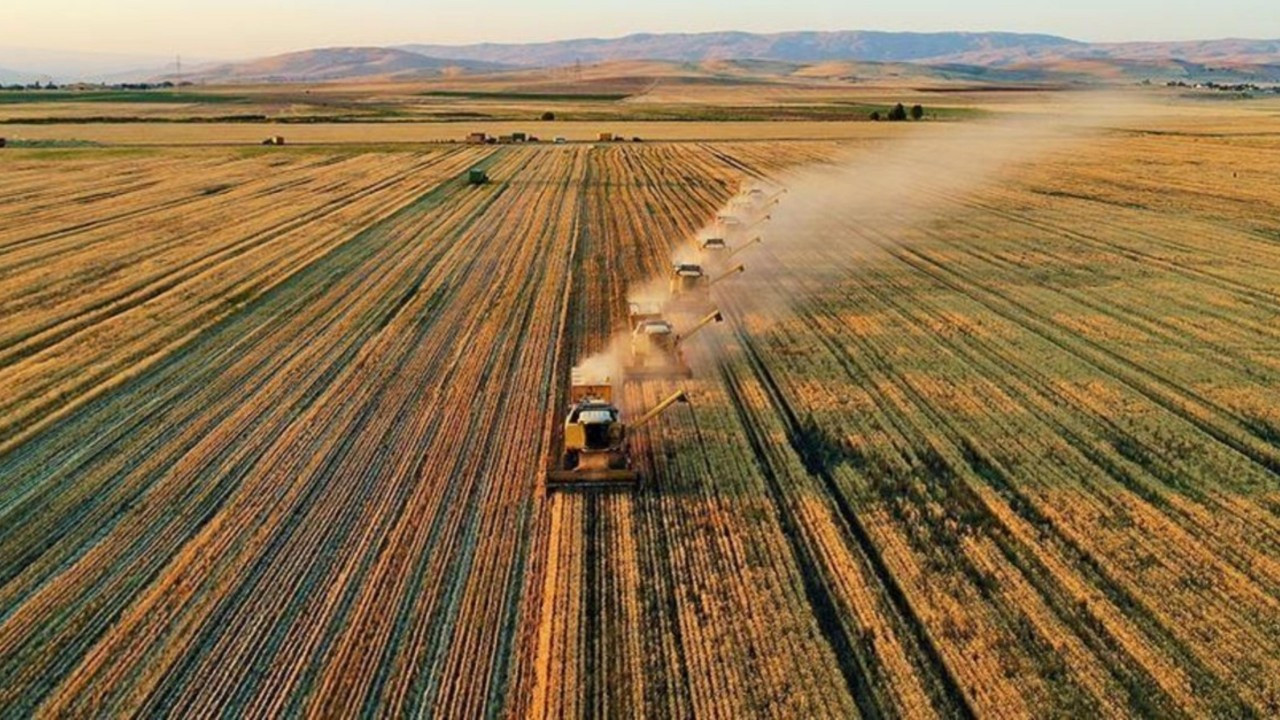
241,29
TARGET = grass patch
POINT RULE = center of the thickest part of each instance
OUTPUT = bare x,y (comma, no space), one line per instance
98,119
49,144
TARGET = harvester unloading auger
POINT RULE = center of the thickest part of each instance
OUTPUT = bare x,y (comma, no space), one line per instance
753,241
657,349
596,451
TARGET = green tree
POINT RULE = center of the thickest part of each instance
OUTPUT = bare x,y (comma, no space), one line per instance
898,113
917,112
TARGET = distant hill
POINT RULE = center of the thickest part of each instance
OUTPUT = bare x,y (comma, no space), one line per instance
803,47
954,56
339,63
1205,52
1227,61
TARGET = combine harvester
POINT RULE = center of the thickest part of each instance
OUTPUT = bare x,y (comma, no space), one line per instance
755,201
717,252
731,227
596,453
690,285
718,248
657,349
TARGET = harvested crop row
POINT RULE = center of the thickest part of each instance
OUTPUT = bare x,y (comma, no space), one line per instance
232,459
145,320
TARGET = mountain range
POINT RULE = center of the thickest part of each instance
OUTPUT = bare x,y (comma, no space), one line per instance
1030,56
788,46
1002,56
990,49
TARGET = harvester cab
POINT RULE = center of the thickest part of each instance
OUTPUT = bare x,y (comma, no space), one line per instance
595,438
714,245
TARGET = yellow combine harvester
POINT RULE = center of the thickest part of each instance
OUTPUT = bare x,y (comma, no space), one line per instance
717,252
657,350
755,201
732,227
689,282
596,454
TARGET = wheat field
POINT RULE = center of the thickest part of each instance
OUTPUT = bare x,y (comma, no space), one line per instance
273,423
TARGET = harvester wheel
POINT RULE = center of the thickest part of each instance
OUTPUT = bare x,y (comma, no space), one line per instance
570,459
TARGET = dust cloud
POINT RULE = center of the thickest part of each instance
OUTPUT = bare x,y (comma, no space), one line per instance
838,214
604,367
835,216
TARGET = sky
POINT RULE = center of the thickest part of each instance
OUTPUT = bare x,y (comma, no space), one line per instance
249,28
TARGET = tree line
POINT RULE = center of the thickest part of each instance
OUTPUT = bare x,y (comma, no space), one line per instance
899,113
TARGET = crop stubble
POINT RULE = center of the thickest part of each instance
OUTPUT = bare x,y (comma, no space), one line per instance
272,426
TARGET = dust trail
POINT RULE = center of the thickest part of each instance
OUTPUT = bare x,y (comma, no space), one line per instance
604,367
820,231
